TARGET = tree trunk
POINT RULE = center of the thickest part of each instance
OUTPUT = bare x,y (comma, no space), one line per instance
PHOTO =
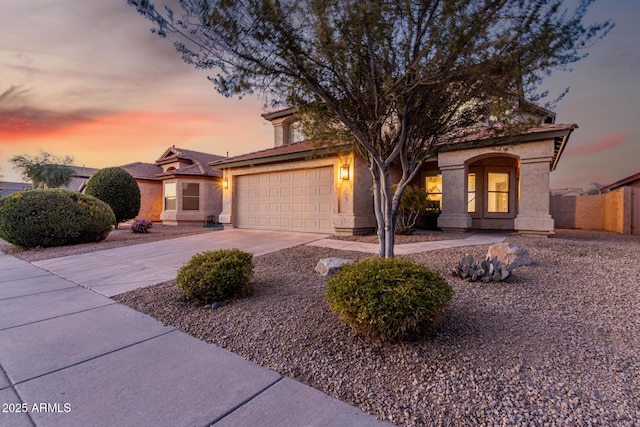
377,207
386,223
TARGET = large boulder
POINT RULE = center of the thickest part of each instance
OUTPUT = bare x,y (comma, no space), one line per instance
510,255
328,266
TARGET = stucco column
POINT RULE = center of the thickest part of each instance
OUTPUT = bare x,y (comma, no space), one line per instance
225,216
533,214
454,216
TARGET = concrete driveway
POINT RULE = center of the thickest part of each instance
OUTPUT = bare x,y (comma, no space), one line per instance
114,271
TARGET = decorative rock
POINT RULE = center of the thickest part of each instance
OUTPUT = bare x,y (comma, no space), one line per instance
215,305
207,306
328,266
509,255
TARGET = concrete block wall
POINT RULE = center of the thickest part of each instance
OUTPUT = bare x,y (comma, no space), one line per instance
609,212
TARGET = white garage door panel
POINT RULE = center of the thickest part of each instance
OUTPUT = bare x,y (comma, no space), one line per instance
300,200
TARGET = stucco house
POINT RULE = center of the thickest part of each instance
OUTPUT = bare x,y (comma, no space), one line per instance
191,190
146,175
8,187
178,189
480,182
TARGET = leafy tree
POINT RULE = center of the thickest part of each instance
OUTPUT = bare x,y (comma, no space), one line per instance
44,169
594,188
392,77
118,189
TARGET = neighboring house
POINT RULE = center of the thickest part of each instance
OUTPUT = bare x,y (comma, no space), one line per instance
191,190
629,211
480,182
7,188
146,175
80,178
178,189
632,181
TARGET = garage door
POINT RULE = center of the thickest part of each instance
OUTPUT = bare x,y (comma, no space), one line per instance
296,200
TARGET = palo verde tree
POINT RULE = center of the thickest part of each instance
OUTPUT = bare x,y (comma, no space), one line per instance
44,169
395,78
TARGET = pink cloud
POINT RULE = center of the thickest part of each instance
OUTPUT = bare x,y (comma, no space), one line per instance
608,142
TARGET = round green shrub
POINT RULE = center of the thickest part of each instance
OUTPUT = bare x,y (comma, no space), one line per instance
53,217
217,275
117,188
388,299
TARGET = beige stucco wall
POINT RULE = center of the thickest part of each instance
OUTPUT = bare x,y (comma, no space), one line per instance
352,205
532,205
210,193
150,200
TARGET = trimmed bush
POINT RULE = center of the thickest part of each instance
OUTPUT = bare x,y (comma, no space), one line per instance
217,275
53,217
388,299
412,203
141,226
428,219
117,188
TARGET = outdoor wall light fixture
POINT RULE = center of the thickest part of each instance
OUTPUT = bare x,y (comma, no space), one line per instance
344,172
225,183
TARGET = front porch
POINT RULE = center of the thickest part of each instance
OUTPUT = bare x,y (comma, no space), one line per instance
502,188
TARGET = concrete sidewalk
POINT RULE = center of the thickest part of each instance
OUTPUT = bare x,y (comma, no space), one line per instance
410,248
72,357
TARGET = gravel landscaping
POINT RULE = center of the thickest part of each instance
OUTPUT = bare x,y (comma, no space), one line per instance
559,344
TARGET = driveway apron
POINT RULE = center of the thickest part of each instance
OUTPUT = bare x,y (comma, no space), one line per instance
115,271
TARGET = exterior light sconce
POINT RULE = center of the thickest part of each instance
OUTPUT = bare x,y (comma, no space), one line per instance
344,172
225,183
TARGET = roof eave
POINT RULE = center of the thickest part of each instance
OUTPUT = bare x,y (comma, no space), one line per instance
280,113
562,141
300,155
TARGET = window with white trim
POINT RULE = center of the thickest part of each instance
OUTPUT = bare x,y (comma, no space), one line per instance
471,193
170,196
498,192
190,196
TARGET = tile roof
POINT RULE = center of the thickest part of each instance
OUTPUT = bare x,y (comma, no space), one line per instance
7,188
199,162
84,172
476,137
276,152
483,134
140,170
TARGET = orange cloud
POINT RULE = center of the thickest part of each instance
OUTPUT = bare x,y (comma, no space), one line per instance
120,138
608,142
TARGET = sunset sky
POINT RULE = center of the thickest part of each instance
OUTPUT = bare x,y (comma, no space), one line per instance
87,78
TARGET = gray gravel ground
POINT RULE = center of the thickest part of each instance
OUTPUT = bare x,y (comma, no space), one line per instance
559,345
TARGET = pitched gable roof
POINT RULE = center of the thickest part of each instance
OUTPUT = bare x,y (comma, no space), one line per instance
197,162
